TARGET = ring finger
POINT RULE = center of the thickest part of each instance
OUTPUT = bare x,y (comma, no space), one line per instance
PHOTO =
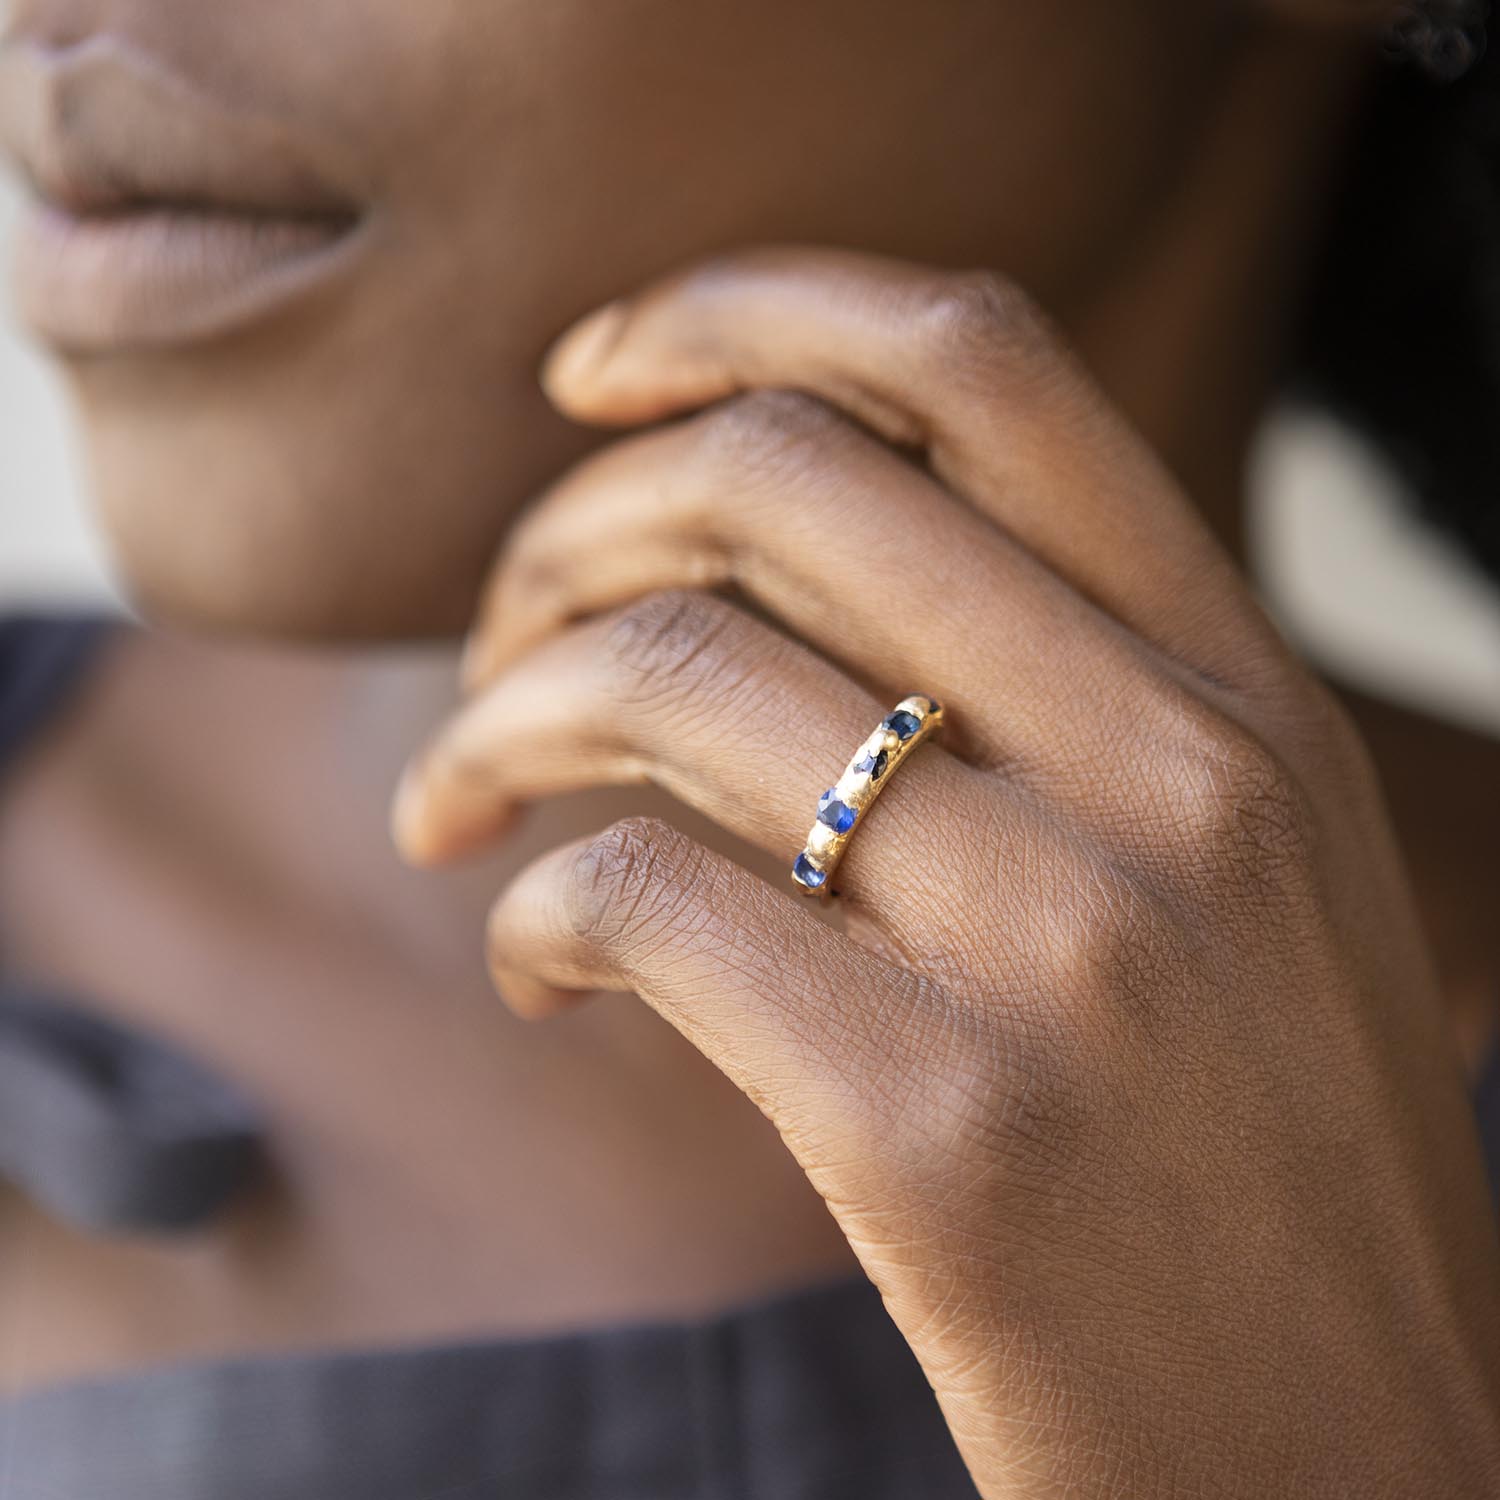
689,692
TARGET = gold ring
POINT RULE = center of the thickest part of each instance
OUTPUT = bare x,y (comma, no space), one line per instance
842,807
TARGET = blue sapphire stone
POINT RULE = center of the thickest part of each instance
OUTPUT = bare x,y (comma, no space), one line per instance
904,724
804,873
834,814
873,765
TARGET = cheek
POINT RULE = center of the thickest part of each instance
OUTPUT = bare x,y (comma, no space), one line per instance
348,479
351,470
582,156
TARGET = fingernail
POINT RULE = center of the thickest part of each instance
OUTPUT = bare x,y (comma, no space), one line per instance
584,349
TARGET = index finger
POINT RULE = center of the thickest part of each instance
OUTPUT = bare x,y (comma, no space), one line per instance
963,366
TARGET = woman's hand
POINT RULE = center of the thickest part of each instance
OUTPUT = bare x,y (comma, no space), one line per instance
1128,1083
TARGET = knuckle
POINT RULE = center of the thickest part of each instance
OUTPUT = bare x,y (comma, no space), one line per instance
768,437
663,645
982,318
1102,943
1007,1092
1239,806
997,1095
622,886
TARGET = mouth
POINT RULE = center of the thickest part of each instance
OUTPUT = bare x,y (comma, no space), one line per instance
157,216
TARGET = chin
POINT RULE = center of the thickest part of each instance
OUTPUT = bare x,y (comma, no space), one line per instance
242,582
289,511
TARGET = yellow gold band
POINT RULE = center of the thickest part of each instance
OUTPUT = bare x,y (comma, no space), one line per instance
842,808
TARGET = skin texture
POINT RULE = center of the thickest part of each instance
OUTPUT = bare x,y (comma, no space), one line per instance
1148,921
383,431
1152,918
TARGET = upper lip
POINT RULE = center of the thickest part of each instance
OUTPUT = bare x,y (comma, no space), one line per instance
98,128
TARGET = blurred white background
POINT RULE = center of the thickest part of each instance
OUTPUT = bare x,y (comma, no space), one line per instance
48,549
1385,605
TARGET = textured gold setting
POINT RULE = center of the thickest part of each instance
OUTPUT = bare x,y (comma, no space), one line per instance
845,805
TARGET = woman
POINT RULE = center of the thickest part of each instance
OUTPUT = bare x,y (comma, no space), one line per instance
1130,1078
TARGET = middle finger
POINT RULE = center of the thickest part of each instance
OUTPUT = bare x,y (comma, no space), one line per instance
856,550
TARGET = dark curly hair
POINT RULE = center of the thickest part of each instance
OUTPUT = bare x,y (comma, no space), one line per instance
1402,329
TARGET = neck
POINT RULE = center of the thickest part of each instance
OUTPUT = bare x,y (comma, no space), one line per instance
1188,330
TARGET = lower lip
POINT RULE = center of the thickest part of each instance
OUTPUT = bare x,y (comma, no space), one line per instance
156,278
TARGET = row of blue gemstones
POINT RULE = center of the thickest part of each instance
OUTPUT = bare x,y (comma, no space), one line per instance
839,816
